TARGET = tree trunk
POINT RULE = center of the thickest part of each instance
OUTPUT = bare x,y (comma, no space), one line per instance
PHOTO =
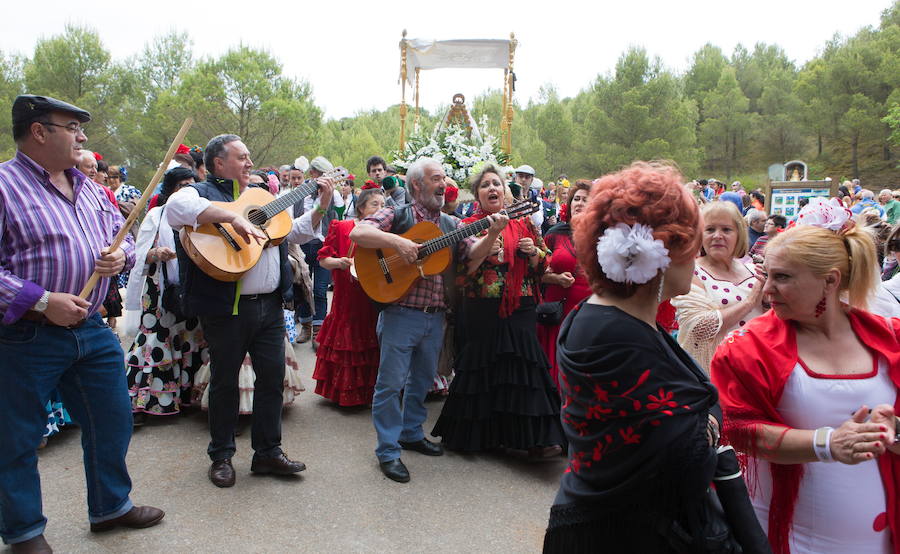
854,148
819,138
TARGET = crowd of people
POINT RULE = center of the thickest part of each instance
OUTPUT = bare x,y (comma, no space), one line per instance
672,339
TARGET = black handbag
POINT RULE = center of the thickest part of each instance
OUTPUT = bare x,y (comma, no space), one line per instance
550,313
171,296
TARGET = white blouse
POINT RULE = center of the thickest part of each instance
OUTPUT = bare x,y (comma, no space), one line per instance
840,508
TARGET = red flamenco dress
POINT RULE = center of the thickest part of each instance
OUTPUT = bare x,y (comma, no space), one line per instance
559,240
348,354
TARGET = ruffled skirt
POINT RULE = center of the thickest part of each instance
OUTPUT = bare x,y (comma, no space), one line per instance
502,394
348,356
164,357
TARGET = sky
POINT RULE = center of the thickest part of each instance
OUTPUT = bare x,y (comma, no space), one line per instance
348,50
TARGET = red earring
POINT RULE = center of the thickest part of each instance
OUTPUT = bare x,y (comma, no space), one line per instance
820,307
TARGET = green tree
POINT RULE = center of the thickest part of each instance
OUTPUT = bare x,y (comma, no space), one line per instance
70,66
244,92
726,123
639,114
555,128
703,76
11,85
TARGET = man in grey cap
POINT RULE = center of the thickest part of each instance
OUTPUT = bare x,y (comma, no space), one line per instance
525,178
57,229
311,317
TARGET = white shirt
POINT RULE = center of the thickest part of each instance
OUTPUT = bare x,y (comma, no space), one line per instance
886,302
183,208
311,203
838,506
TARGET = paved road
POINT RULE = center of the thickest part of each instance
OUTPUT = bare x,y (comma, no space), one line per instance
341,503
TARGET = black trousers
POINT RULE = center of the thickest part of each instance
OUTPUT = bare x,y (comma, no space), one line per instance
258,330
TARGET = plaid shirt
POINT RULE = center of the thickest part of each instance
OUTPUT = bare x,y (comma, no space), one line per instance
427,292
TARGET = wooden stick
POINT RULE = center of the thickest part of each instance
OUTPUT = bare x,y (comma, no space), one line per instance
139,206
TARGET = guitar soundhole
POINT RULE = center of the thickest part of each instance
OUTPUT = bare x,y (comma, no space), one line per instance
257,217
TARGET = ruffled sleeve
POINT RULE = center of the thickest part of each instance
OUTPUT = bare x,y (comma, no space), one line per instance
331,247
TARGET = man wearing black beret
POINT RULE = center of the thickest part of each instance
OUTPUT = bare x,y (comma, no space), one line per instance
56,227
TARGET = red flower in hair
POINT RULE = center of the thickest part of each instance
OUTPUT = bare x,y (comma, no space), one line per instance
451,193
183,149
97,156
370,184
351,177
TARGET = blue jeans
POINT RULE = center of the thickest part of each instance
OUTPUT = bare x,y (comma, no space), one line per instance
86,365
321,278
411,342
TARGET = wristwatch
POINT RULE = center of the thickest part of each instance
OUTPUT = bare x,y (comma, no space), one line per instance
42,303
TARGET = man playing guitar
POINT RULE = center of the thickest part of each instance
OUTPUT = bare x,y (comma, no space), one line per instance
240,317
411,330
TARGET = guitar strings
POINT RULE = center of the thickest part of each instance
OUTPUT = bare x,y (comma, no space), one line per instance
450,238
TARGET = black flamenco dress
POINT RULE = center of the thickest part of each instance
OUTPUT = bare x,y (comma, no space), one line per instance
502,395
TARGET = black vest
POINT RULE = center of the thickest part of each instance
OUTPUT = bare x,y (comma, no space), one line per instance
200,293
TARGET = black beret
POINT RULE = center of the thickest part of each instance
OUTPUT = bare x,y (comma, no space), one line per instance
28,108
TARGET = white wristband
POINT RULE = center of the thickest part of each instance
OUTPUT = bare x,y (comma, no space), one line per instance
822,444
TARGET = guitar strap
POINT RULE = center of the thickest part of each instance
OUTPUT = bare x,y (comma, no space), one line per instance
237,288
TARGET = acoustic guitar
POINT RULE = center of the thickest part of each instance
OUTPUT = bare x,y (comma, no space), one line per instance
222,254
386,277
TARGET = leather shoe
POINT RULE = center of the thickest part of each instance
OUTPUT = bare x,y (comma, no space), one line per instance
221,473
395,471
423,446
279,465
138,517
35,545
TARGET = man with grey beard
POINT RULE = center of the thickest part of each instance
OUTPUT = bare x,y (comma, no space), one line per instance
411,330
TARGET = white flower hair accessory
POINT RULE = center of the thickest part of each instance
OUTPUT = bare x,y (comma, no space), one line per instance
820,212
629,254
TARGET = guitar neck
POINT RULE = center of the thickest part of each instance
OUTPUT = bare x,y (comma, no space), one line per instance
278,205
444,241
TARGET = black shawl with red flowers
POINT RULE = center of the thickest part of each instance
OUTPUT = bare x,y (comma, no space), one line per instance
635,411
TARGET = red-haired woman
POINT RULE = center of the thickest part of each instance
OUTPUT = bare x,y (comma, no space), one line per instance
564,281
347,357
640,416
502,395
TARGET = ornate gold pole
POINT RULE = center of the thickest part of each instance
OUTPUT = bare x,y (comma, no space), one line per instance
403,92
509,89
416,120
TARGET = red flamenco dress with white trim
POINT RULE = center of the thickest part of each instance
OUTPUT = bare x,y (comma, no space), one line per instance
348,354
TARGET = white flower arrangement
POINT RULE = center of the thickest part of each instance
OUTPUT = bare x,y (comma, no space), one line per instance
630,254
452,148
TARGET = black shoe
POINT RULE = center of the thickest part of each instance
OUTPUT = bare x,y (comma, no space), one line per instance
423,446
221,473
279,465
395,471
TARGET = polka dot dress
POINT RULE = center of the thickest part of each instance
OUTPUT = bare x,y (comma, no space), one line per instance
165,356
726,293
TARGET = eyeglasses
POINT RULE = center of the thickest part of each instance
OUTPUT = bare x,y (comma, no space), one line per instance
73,127
114,177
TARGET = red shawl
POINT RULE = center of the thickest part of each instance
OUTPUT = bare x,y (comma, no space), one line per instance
750,369
518,267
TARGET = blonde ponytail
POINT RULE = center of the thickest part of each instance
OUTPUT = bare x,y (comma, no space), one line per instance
821,250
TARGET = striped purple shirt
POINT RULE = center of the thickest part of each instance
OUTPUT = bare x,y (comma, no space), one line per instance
46,241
